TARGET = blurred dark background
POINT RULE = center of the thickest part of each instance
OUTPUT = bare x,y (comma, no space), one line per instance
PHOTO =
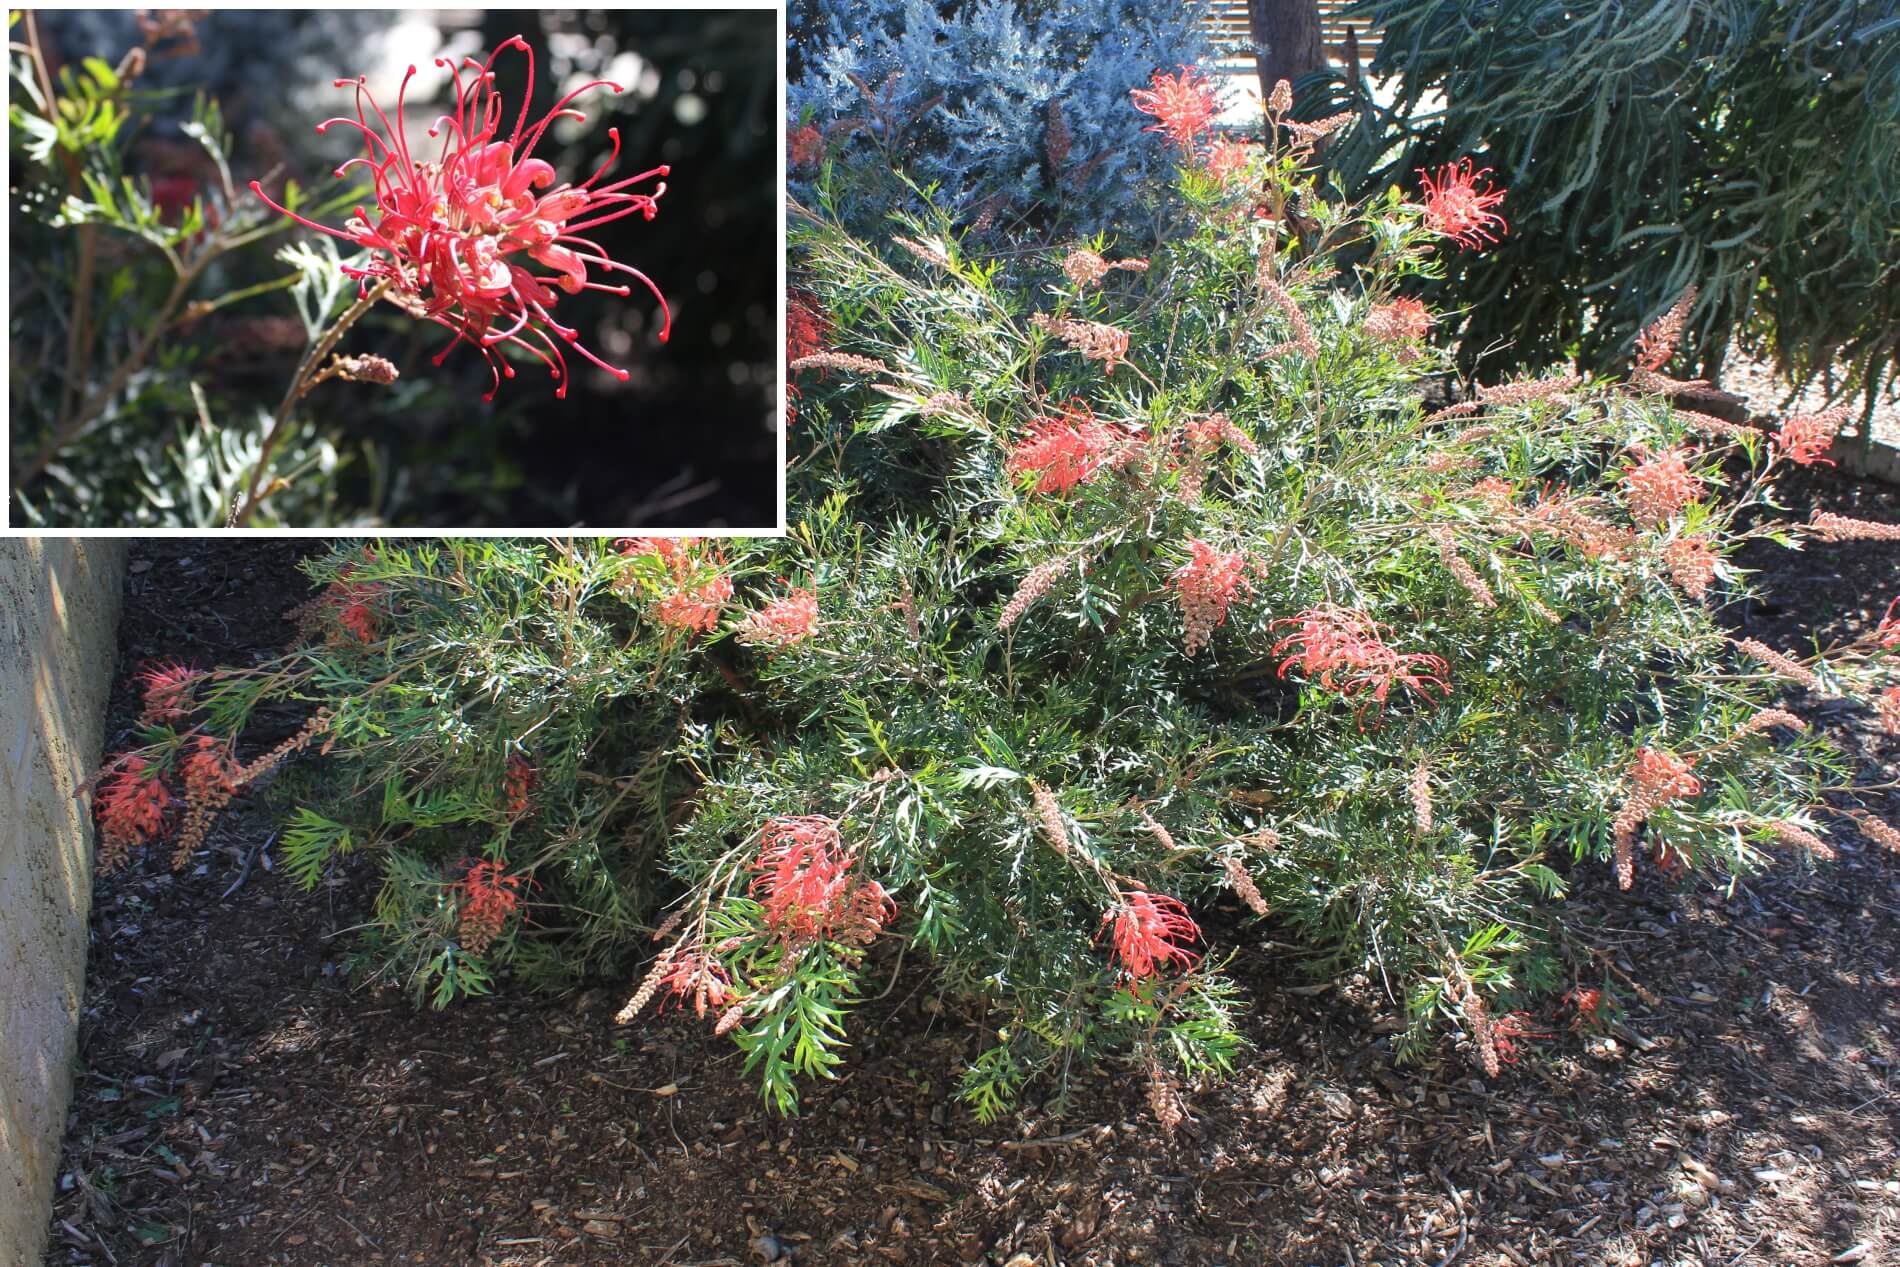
690,439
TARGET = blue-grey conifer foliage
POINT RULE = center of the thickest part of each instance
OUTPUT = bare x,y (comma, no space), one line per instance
962,92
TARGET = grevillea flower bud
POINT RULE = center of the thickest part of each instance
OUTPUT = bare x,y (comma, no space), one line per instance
454,235
1782,665
1876,830
1828,526
1037,582
1767,719
1049,817
1655,778
1795,834
1242,883
1461,571
1657,343
1422,798
1093,339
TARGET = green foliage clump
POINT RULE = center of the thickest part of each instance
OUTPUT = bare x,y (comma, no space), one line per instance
1745,148
1127,613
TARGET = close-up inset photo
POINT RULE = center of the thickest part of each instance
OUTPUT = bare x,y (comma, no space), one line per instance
404,269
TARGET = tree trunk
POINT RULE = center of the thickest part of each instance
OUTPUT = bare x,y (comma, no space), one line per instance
1286,40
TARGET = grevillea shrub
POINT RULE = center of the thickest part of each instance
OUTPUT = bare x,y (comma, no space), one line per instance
1127,614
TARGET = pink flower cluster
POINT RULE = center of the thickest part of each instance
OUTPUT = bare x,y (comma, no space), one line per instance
1206,586
1660,487
691,599
782,622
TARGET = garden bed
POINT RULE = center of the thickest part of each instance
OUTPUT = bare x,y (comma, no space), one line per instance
240,1103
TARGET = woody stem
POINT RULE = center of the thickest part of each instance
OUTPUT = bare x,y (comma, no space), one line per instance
300,383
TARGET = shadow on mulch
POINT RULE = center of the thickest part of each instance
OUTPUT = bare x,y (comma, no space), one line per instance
240,1104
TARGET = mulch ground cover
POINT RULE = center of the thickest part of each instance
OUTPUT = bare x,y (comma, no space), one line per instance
240,1100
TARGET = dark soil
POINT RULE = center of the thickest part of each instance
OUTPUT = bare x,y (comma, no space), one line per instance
240,1102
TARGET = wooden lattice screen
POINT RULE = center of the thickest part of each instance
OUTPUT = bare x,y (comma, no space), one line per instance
1227,21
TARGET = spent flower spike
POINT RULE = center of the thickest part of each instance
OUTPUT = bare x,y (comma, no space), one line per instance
453,236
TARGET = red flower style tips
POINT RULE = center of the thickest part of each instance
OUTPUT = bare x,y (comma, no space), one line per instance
1183,105
453,237
1456,208
1150,933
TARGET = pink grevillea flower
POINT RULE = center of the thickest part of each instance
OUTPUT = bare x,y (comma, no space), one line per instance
168,687
1804,439
1206,586
1344,650
1227,158
1456,208
784,621
1660,486
1184,105
455,237
1150,933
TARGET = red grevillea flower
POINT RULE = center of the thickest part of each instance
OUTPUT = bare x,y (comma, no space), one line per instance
1660,486
807,145
167,691
208,769
1064,450
804,873
1456,208
695,607
1227,158
130,804
1344,650
1804,439
517,785
1183,104
1404,320
455,236
1150,933
699,977
488,899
